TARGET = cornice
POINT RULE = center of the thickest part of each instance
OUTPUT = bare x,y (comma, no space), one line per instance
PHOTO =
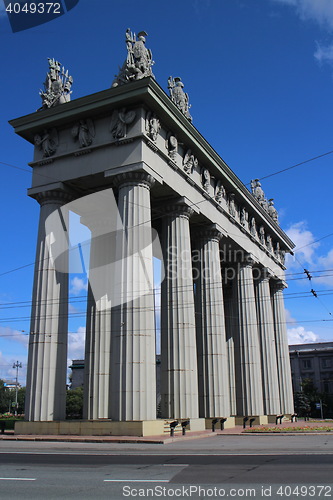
147,92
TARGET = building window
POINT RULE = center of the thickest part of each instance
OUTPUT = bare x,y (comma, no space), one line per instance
326,363
306,364
326,387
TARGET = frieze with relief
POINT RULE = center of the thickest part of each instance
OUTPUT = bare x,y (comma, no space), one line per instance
153,125
171,144
84,132
47,141
121,119
190,162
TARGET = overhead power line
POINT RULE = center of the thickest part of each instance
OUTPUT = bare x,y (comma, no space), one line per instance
294,166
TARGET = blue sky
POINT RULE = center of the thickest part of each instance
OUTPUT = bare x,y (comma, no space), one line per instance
259,74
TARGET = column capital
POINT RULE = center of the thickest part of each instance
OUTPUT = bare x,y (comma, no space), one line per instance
212,232
263,274
248,260
54,196
178,208
134,179
278,284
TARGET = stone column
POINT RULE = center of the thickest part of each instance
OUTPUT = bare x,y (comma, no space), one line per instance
282,350
231,331
247,351
267,344
98,330
179,376
133,364
213,374
47,357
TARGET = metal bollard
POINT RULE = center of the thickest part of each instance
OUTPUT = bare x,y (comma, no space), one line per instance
222,423
251,421
172,427
214,422
184,424
245,419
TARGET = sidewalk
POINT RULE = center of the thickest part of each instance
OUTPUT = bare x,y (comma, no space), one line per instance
165,439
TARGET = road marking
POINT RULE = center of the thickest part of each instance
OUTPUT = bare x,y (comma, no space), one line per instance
17,479
176,465
136,480
173,454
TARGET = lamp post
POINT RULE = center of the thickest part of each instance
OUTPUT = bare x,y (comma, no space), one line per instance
16,365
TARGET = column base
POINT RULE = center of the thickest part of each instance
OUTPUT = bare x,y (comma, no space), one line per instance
272,418
258,420
107,427
228,424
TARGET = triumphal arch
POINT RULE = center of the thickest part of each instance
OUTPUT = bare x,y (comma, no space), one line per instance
141,177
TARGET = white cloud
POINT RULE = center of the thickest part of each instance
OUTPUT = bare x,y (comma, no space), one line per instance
76,341
7,372
304,241
307,256
320,11
78,285
289,318
324,54
299,335
11,334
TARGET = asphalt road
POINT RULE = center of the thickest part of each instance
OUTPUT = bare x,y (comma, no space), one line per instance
229,466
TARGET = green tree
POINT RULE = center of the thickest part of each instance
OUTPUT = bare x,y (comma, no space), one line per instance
74,403
21,400
311,393
302,404
5,397
310,390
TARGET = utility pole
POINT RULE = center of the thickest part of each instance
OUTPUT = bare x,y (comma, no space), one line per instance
16,365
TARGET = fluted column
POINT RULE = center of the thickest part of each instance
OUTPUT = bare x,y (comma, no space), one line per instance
179,377
133,373
210,327
282,350
231,325
47,357
98,329
267,344
249,379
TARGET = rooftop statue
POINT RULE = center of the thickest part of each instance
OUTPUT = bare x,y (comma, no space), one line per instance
178,96
138,62
259,194
57,86
272,211
257,190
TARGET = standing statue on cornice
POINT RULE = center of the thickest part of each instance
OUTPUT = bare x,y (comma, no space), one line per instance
272,211
257,190
138,62
178,96
57,86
